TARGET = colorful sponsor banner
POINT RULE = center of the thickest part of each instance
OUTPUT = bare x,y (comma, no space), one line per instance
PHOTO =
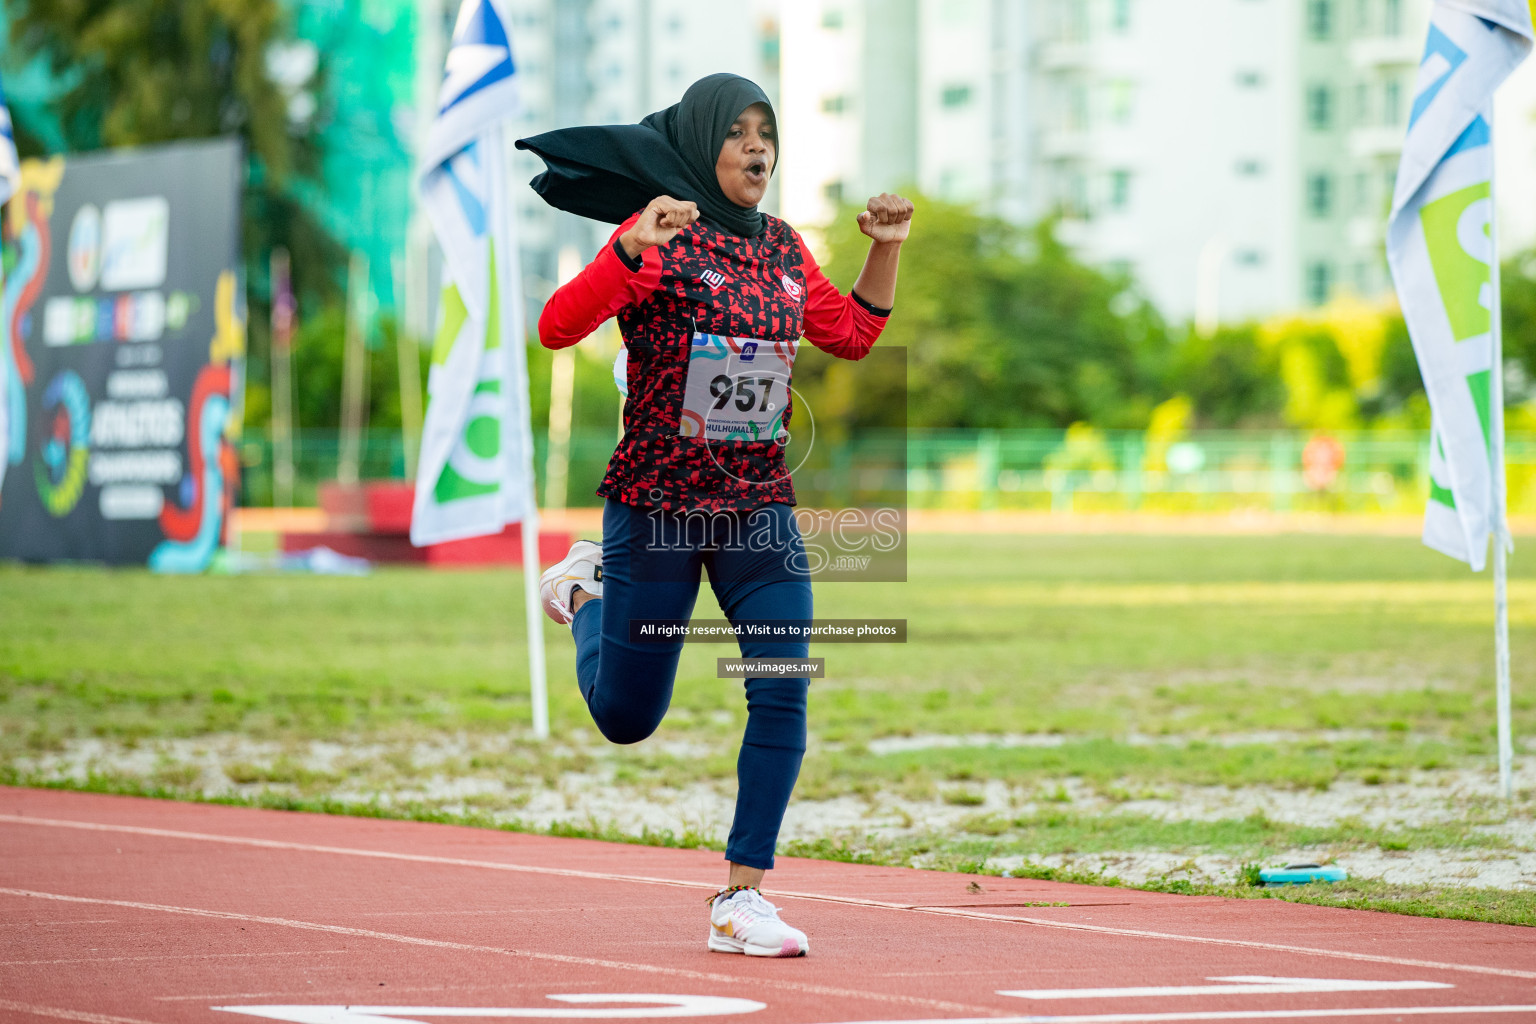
10,169
1441,250
476,469
10,177
123,356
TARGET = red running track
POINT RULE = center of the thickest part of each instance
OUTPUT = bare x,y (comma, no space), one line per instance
116,910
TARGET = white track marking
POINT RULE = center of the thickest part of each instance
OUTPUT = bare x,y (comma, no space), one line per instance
1248,984
559,958
1041,922
1153,1018
58,1013
1278,947
458,990
673,1007
159,956
418,858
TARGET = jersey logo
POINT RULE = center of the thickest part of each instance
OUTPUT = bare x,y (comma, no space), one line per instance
794,290
713,278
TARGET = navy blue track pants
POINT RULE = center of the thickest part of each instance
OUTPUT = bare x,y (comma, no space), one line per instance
756,565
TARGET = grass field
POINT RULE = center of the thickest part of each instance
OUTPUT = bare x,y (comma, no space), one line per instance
1171,710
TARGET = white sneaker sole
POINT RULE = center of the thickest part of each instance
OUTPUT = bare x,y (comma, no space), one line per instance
581,550
723,944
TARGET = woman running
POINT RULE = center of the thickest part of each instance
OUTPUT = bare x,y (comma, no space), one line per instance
711,297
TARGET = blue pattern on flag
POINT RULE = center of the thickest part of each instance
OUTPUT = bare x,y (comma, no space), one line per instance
1439,44
482,28
1477,134
471,203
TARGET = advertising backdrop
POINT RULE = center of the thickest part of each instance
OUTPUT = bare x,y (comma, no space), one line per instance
123,355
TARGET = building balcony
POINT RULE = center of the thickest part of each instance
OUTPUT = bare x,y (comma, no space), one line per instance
1074,229
1363,232
1062,56
1376,141
1384,51
1063,144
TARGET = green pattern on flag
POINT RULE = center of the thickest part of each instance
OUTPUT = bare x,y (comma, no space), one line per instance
1438,492
454,315
481,439
453,487
493,310
1481,386
1452,227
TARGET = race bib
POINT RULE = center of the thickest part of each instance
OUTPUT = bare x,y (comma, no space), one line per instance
738,389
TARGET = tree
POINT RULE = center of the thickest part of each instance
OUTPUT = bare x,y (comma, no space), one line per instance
136,72
1230,378
1517,282
1003,328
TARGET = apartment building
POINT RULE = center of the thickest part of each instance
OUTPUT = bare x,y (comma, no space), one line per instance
613,62
1235,156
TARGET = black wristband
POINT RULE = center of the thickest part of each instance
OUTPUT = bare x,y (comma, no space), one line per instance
635,265
869,307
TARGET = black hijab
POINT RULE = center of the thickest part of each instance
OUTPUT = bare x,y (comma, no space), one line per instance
607,172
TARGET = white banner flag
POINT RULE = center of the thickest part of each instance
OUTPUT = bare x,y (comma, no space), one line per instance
476,468
1441,250
10,181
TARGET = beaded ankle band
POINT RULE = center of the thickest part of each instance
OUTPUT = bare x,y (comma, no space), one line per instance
732,890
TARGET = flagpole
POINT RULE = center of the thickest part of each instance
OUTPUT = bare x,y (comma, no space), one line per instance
354,371
562,388
1501,539
281,350
408,368
517,349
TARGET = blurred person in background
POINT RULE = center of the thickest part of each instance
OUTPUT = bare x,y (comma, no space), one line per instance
701,280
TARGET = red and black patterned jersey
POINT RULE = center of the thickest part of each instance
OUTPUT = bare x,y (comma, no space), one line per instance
767,288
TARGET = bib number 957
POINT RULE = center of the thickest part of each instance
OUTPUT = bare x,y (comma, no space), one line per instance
746,391
737,390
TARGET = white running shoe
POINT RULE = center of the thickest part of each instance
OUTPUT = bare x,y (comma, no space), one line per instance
744,922
583,567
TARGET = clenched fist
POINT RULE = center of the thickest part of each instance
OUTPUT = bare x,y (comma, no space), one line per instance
663,218
888,218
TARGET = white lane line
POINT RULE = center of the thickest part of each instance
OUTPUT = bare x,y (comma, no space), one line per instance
1278,947
417,858
975,915
1153,1018
58,1013
1240,985
161,956
559,958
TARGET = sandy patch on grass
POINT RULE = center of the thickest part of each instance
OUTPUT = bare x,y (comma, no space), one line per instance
582,782
944,741
1482,869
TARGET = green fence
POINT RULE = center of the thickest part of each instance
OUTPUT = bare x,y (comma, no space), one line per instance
1205,471
1046,470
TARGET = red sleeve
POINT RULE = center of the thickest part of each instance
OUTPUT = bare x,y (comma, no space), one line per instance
605,286
844,325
